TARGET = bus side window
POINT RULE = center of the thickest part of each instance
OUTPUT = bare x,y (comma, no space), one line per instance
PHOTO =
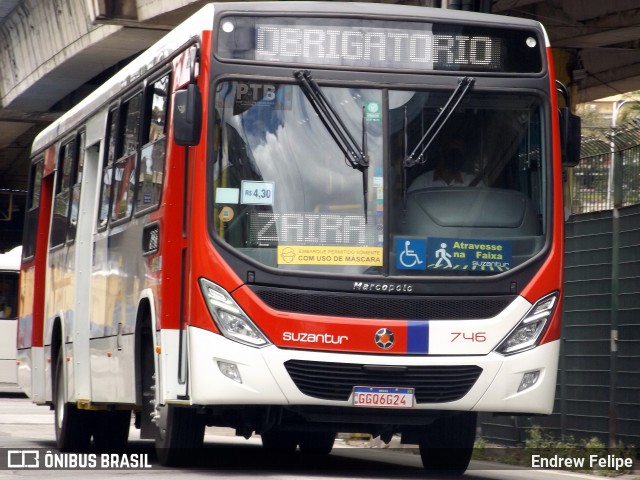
60,219
124,169
67,199
33,209
75,187
152,156
107,170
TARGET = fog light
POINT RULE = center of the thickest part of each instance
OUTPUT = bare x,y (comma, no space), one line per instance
230,370
528,380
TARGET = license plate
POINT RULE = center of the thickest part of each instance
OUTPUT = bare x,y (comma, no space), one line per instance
386,397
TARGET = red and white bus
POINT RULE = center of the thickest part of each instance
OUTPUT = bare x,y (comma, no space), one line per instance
9,277
228,233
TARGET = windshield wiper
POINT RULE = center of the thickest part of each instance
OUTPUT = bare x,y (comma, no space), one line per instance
443,116
356,155
441,119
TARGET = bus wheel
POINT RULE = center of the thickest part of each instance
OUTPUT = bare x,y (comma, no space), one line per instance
111,430
447,444
180,435
279,440
317,443
72,426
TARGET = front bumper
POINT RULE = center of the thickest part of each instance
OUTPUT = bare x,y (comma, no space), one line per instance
266,381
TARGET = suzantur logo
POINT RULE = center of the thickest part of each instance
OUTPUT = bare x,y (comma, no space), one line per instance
302,337
384,338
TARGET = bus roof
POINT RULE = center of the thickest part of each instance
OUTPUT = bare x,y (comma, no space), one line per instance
129,75
11,259
202,21
383,9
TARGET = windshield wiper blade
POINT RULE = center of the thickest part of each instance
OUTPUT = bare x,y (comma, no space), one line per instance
454,100
365,169
333,123
405,146
441,119
356,155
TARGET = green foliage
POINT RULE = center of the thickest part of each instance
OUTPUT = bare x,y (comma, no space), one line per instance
543,445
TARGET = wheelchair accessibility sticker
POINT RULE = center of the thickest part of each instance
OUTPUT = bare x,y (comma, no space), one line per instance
468,254
411,254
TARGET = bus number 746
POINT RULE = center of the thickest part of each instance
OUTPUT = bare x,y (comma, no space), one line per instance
477,337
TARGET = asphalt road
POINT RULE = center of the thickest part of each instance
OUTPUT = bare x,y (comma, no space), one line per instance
26,429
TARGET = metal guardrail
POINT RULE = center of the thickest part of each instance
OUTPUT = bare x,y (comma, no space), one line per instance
594,187
598,387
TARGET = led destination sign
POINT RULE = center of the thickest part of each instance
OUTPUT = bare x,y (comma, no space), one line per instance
356,43
375,47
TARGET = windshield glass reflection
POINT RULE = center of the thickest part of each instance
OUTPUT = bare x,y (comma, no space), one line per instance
286,196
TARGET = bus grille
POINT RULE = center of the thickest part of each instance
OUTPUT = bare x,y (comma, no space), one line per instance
335,381
400,307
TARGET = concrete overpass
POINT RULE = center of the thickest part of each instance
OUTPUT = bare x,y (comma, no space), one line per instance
53,53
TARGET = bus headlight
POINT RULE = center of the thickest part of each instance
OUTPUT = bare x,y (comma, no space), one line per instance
229,317
528,331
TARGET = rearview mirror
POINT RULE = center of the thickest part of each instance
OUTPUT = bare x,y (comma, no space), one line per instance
570,137
570,130
187,116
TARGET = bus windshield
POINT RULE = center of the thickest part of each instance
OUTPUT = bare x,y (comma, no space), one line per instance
473,202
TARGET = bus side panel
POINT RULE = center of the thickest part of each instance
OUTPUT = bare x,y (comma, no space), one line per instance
551,274
9,292
173,253
120,286
84,249
121,270
112,288
8,330
173,241
31,370
25,306
59,306
59,291
101,345
42,249
25,327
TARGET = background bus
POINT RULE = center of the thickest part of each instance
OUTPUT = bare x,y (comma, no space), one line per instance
228,233
9,279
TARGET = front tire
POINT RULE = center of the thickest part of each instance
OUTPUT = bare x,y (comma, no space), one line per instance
181,436
72,426
178,431
317,443
447,444
281,441
111,430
